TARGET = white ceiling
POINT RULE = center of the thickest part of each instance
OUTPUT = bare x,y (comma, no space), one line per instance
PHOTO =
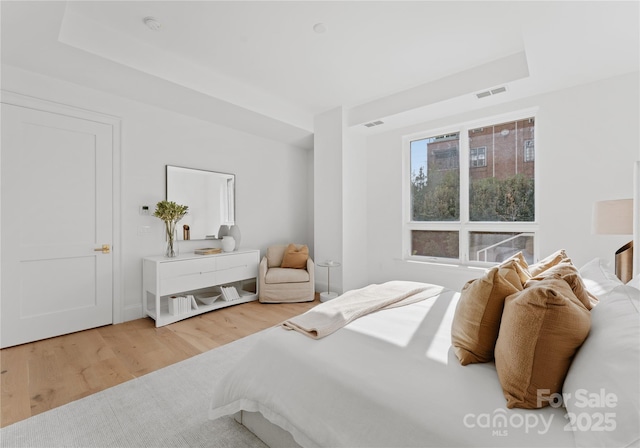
261,62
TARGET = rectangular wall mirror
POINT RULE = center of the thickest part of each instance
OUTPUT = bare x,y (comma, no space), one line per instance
210,196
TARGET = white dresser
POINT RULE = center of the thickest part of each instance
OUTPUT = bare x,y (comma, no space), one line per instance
198,275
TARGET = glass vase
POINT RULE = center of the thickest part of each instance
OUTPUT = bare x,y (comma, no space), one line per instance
172,240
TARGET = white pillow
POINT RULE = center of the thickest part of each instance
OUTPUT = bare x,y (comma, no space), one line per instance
597,277
607,365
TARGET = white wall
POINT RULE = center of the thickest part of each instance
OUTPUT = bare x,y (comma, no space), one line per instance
587,143
344,198
327,165
340,214
272,178
355,226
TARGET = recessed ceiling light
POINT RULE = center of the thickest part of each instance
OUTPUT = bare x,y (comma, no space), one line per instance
152,23
320,28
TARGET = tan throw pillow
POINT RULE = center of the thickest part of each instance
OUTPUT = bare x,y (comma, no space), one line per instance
477,318
566,271
542,328
521,266
547,262
295,257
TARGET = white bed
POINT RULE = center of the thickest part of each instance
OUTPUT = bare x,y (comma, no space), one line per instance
391,379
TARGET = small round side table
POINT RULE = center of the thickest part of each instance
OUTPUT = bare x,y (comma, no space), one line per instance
328,295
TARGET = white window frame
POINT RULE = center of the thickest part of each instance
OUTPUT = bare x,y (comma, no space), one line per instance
464,226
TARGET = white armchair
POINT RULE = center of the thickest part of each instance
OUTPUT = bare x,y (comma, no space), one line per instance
278,284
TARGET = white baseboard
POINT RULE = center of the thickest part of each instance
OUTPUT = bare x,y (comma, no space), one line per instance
131,313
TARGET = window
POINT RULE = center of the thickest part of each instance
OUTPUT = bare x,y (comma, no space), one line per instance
482,211
446,159
529,151
478,157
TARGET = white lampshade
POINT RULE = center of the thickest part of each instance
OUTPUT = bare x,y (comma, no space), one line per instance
613,217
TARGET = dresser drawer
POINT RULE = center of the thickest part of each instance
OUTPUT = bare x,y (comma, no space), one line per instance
236,267
236,260
181,268
185,275
189,282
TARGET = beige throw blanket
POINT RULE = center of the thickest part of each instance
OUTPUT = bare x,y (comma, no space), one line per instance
330,316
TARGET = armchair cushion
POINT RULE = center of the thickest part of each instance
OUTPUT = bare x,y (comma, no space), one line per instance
295,257
286,275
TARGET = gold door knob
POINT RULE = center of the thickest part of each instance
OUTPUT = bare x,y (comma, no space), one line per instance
105,249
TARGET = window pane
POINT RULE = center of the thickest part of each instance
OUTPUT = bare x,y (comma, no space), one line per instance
478,157
435,178
498,246
501,172
529,151
430,243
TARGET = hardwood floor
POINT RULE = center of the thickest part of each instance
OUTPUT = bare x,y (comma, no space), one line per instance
42,375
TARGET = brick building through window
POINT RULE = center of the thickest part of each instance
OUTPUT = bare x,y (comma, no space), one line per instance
508,150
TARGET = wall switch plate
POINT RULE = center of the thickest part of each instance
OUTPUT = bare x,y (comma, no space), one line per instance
145,210
144,230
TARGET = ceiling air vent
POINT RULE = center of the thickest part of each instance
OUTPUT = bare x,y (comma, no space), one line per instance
491,92
374,123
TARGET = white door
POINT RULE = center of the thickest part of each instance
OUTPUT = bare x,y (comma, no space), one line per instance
56,211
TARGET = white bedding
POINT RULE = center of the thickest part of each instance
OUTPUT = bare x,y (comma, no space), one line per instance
388,379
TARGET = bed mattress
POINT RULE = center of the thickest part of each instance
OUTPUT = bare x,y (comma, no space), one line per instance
388,379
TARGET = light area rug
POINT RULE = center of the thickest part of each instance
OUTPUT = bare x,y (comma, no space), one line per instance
165,408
